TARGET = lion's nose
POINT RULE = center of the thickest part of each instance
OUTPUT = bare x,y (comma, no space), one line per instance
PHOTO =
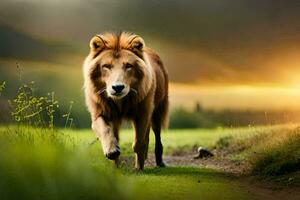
118,88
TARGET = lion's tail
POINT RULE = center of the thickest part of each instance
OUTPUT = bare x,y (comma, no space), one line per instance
160,115
165,114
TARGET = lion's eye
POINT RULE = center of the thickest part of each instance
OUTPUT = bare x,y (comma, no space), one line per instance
128,66
106,66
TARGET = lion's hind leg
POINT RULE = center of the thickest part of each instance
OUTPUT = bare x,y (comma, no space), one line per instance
158,121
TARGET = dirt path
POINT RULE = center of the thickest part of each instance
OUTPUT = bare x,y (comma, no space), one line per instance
218,163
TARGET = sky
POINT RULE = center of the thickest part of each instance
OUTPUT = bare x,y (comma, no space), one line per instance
209,47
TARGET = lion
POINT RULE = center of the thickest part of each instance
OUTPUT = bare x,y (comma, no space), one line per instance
126,80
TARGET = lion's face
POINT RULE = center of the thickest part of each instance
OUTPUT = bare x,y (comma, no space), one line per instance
119,73
117,66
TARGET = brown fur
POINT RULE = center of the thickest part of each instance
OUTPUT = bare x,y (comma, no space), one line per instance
146,103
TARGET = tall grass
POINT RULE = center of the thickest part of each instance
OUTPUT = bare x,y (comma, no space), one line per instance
269,153
279,155
45,164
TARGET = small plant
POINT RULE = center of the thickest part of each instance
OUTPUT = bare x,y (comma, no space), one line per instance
31,109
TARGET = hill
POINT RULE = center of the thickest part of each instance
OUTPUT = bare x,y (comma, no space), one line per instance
16,44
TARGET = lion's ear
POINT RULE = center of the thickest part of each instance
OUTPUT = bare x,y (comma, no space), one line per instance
137,45
97,44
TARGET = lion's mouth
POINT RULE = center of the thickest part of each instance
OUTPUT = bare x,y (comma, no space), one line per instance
118,95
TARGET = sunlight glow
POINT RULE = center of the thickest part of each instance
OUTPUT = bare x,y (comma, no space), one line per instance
235,97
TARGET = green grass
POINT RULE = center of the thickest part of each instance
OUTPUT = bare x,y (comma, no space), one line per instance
269,150
184,139
38,163
65,164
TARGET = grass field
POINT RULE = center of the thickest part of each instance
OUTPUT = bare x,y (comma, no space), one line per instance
68,164
183,137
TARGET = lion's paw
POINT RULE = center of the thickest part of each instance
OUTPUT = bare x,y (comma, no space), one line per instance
113,153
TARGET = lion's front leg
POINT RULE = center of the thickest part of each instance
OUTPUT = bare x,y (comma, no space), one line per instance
105,132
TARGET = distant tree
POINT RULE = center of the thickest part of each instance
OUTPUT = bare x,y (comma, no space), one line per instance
198,107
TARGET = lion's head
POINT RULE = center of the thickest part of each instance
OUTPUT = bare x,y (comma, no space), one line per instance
117,65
